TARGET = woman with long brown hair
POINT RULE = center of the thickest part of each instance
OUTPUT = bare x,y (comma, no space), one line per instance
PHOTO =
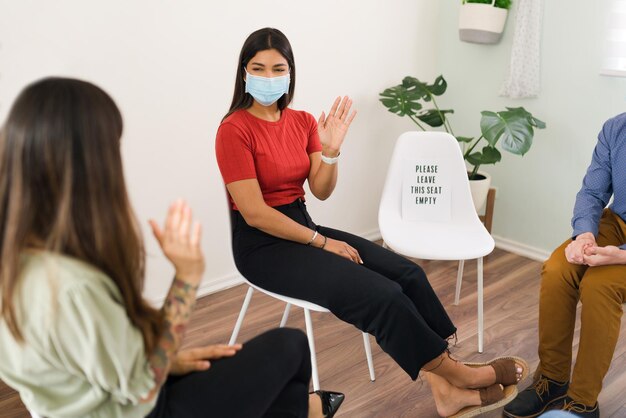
76,337
266,151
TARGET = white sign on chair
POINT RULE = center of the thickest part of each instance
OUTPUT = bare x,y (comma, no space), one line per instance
426,190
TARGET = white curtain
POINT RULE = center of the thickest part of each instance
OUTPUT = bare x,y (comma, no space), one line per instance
524,78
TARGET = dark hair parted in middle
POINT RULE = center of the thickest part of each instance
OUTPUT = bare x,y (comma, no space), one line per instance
261,40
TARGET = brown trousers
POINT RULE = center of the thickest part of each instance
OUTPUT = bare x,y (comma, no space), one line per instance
602,291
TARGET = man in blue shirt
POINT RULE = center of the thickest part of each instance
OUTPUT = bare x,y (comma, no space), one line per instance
590,267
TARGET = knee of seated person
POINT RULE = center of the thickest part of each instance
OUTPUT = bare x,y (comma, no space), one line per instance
389,295
596,290
289,339
553,267
418,273
554,275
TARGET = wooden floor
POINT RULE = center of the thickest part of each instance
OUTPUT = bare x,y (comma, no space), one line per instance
511,302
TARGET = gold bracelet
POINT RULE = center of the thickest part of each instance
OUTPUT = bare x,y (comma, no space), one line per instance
324,244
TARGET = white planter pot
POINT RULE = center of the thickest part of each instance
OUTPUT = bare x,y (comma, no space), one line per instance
480,189
481,23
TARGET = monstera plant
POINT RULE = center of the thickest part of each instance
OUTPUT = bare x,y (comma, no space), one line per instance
511,129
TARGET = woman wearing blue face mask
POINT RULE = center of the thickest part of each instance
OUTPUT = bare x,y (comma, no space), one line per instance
265,152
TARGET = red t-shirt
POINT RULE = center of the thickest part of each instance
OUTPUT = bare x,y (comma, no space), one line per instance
274,153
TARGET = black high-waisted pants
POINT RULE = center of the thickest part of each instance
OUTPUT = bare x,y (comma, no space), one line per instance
268,378
388,296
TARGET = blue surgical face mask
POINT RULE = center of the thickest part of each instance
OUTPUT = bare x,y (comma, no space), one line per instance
266,90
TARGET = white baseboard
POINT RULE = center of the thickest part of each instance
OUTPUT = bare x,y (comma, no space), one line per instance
222,283
207,287
524,250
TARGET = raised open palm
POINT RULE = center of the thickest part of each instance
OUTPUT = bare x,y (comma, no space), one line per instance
332,129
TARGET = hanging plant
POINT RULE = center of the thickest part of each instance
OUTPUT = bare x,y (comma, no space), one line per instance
503,4
482,21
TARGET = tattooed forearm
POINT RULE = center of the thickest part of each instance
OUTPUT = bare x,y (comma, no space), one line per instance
177,310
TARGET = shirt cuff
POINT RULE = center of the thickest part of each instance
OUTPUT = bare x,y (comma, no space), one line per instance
622,247
583,226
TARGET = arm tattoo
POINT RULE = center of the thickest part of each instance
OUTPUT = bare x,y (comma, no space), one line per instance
177,311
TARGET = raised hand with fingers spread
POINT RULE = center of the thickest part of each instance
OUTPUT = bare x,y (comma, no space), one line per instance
180,242
181,245
332,128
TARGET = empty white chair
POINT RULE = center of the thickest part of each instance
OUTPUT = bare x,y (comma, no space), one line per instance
308,307
459,236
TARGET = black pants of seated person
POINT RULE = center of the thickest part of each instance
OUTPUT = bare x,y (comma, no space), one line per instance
268,378
388,296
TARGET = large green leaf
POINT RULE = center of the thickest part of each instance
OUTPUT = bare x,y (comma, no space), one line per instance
425,91
408,82
489,155
433,117
514,129
416,87
406,98
439,86
531,119
513,126
401,101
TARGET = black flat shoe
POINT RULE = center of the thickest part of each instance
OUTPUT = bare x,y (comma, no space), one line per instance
331,401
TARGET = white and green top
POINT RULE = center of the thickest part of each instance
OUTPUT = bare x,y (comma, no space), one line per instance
82,357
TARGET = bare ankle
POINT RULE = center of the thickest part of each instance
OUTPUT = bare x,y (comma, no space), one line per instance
315,406
435,363
448,398
453,371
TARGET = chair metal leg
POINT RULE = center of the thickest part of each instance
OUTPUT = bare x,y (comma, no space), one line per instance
309,334
242,314
368,354
459,280
283,321
480,305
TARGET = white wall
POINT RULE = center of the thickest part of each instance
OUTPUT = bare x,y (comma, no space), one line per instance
170,66
536,193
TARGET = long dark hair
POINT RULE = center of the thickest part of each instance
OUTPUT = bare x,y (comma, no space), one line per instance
62,190
260,40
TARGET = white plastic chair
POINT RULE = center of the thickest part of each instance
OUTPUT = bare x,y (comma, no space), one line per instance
308,307
34,415
463,237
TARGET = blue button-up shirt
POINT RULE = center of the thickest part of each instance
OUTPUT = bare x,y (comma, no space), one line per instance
605,176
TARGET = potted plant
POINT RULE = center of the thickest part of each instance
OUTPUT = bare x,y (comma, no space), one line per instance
482,21
512,129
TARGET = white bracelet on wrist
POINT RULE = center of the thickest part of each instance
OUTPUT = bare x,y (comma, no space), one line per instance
312,239
330,160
